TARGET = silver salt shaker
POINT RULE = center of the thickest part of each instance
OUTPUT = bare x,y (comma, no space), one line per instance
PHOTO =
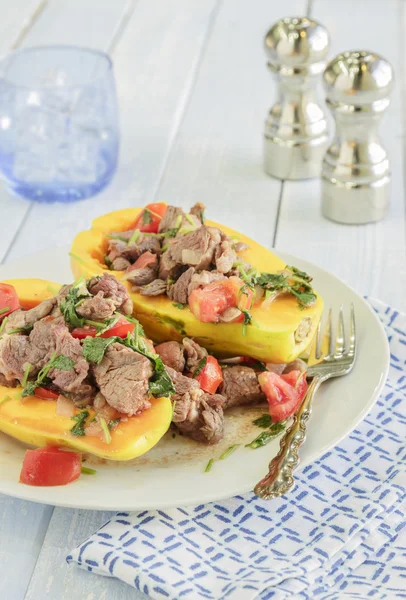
296,131
356,171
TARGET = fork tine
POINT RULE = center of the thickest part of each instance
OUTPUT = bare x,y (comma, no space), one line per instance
329,332
353,341
340,337
318,341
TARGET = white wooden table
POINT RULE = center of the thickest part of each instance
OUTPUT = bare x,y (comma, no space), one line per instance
193,92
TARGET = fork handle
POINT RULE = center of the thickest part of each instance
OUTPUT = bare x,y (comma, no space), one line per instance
280,479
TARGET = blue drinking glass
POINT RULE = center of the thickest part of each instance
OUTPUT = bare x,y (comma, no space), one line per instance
59,134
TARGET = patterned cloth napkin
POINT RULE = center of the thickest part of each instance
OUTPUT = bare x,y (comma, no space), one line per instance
340,534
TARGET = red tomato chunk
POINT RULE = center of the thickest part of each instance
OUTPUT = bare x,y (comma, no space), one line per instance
210,376
283,392
50,466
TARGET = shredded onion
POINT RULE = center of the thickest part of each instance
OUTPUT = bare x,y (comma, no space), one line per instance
65,407
94,429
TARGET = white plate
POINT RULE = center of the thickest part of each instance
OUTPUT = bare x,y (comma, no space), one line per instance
172,474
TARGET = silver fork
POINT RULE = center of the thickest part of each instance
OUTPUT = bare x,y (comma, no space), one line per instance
338,361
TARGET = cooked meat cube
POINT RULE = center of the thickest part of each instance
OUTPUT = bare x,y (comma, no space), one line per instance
142,275
196,414
179,291
240,247
21,319
52,335
97,308
156,288
225,255
114,290
170,220
204,278
121,249
12,383
196,248
198,210
167,266
122,377
120,264
172,354
240,386
194,353
14,354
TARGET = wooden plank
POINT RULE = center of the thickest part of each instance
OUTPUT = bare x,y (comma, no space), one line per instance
53,579
217,157
79,22
371,258
155,65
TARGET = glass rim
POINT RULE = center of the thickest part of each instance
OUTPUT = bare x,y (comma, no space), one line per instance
52,47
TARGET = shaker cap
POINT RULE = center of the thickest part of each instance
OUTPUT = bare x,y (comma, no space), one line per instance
296,43
358,77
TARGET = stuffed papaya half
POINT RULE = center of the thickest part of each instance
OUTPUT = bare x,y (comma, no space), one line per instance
192,277
94,385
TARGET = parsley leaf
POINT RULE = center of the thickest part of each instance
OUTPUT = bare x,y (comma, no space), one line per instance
200,366
94,348
265,421
267,436
178,305
108,262
160,384
63,363
4,310
79,428
146,217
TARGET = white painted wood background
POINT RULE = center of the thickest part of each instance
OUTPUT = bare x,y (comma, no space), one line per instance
193,92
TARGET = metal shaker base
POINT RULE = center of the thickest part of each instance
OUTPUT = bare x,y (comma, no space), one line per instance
355,204
294,160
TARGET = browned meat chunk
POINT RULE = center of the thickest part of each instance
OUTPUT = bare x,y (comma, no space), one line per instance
204,278
225,256
171,219
14,354
147,273
97,308
120,264
130,252
179,291
194,353
240,247
172,354
240,386
167,266
196,414
112,289
22,319
12,383
156,288
198,210
196,248
122,377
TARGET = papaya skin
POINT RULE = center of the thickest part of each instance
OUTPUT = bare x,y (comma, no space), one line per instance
34,421
272,339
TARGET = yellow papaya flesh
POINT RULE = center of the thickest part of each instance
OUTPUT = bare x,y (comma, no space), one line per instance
280,334
34,421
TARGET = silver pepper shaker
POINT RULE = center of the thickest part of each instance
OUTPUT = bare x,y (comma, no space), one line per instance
296,131
356,171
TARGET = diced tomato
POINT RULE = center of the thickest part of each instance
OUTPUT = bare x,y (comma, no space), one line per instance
46,394
81,333
208,303
210,376
50,466
283,392
8,300
120,329
151,216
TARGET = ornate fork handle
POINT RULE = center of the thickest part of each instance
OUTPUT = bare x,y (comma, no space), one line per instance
280,479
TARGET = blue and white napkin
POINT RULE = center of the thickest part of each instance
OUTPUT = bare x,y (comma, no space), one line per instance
340,534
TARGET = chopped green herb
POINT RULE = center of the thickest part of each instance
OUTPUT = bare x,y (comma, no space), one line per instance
3,325
25,329
146,217
172,232
94,348
178,305
105,429
26,374
229,451
200,366
113,423
64,363
201,216
165,247
248,320
116,236
299,273
4,310
88,471
160,384
136,234
304,298
209,465
108,262
267,436
79,428
191,221
265,421
68,305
